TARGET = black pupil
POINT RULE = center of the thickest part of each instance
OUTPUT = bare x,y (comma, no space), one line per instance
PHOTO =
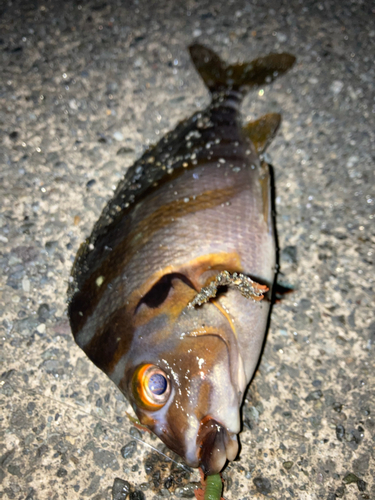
157,384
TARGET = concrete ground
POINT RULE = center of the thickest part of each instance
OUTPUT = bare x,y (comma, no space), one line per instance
84,88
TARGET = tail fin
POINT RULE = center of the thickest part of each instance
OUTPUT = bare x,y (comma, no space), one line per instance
241,77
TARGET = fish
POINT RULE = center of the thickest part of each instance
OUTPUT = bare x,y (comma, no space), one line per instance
156,294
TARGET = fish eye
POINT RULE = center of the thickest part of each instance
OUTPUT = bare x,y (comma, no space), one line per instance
151,387
157,384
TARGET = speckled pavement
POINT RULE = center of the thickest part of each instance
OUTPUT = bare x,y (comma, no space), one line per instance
84,88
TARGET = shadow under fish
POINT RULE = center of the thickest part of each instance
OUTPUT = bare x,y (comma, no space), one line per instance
156,295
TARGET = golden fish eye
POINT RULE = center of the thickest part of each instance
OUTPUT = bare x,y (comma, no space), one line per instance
151,387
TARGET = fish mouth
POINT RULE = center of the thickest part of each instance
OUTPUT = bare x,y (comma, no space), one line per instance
216,446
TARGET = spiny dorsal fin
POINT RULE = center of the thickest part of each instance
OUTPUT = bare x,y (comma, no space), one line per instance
262,131
241,77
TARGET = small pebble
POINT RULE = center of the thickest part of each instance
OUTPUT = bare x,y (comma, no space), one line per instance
340,432
186,491
41,328
62,472
128,450
135,433
361,485
137,495
118,136
287,465
337,86
350,478
120,489
26,284
262,484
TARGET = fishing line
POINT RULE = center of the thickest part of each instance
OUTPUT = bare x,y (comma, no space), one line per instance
109,424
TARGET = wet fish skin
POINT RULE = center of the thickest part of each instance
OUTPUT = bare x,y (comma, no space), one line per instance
195,204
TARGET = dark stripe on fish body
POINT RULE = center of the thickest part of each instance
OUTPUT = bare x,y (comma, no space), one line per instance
86,300
226,143
115,336
162,164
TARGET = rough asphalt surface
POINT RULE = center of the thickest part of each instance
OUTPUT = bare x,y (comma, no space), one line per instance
84,88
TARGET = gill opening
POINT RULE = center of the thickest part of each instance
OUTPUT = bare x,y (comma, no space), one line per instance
225,313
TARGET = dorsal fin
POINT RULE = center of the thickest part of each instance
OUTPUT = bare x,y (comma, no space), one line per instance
239,77
262,131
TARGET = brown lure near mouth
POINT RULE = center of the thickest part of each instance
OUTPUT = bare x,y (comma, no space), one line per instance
193,210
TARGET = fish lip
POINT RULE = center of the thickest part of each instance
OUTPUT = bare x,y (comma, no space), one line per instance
215,449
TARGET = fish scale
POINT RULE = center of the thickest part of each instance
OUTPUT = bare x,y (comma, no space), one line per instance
196,204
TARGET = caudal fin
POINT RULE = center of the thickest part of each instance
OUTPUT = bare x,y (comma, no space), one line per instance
220,77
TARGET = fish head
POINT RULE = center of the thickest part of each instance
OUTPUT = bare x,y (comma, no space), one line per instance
184,373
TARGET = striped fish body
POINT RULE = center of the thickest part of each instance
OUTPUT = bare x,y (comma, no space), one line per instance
196,204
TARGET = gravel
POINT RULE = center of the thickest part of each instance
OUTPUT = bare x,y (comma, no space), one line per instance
85,88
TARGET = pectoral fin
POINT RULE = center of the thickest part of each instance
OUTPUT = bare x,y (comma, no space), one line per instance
262,131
